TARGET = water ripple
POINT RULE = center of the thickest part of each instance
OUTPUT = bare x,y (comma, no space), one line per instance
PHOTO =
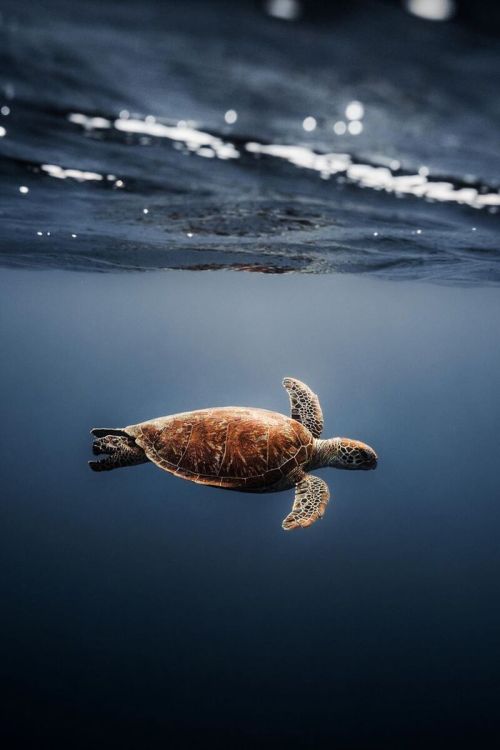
373,176
329,158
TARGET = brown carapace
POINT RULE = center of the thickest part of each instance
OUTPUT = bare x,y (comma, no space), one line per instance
244,449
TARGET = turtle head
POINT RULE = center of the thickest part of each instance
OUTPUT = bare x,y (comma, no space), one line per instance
351,454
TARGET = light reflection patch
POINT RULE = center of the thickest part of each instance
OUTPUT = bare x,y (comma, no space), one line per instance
185,134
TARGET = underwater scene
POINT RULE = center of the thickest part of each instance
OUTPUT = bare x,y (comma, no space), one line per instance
198,200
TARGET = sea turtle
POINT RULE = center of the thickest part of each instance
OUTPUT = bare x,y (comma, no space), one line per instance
240,448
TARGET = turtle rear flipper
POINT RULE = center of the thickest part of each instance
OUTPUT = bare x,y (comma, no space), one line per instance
119,451
103,431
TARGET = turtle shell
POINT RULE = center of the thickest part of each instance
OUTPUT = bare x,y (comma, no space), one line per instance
231,447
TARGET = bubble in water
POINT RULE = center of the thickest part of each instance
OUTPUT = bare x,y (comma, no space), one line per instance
355,127
309,124
231,116
354,111
287,10
432,10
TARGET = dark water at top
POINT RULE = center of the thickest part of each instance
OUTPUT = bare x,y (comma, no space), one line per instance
116,108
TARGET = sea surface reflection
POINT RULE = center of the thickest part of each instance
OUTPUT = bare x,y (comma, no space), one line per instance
154,136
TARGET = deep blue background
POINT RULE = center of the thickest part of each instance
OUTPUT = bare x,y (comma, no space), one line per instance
141,610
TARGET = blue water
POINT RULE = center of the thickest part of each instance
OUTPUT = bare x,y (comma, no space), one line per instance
158,255
138,607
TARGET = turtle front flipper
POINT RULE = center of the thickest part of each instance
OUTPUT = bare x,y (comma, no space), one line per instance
305,406
311,498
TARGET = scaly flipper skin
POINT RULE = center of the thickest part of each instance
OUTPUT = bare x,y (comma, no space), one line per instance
305,407
311,498
119,450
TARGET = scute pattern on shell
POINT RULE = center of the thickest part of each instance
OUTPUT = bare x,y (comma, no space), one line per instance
305,406
231,447
311,498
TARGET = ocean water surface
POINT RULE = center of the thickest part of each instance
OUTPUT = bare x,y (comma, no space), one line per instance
210,134
196,200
